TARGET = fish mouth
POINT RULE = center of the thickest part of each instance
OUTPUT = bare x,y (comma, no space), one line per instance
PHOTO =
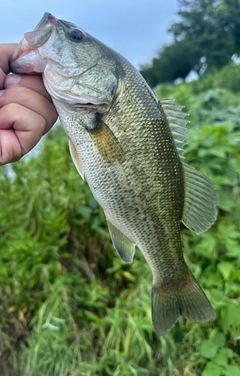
35,54
31,41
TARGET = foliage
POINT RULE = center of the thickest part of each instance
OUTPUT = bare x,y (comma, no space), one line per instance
206,36
210,99
70,306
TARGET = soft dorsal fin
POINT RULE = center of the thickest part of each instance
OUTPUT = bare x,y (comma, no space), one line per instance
176,122
201,198
124,246
200,202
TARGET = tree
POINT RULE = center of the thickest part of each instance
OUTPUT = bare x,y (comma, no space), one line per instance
206,36
174,61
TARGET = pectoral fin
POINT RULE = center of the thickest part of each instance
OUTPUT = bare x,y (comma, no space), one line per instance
124,247
105,141
200,201
76,159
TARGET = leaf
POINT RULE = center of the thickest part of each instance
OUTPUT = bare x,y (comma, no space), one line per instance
226,201
221,358
85,211
212,369
233,370
58,320
207,246
208,349
226,269
228,352
48,325
230,317
219,151
218,338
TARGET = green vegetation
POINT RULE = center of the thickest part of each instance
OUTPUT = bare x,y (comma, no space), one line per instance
70,306
205,35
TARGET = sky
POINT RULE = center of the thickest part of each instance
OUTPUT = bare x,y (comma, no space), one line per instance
135,28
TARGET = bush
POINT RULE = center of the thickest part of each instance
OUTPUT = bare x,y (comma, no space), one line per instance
70,306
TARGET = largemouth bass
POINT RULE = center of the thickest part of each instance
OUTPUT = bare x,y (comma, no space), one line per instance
128,145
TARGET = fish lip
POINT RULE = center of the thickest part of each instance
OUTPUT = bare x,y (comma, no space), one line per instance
47,19
24,47
50,17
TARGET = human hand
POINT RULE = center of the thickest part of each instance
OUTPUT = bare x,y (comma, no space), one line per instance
26,110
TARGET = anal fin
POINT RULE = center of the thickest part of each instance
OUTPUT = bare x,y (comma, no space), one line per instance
124,246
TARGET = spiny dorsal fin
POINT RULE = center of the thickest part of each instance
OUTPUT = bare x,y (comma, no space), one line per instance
200,202
124,246
177,123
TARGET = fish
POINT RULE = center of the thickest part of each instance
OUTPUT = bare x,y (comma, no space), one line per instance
128,145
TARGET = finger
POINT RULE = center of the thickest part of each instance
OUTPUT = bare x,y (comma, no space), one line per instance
2,79
33,82
30,100
22,129
6,51
10,149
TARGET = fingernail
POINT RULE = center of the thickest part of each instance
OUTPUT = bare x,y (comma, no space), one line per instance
1,92
12,80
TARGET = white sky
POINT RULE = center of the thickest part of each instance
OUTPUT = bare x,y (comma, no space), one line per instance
135,28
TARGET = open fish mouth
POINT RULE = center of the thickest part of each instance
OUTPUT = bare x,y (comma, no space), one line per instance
30,43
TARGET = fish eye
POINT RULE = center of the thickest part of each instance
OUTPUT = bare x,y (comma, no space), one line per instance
76,35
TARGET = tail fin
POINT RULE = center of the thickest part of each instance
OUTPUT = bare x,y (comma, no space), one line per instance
169,304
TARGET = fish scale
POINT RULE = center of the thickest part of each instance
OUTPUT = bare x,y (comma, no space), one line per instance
128,145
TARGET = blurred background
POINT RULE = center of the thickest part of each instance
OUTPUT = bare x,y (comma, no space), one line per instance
69,305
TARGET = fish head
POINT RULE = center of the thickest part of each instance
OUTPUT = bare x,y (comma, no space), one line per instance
76,67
